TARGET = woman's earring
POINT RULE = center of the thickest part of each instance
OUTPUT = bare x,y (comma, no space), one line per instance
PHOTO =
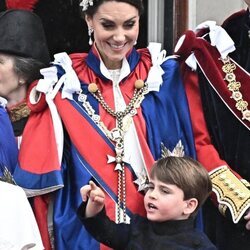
21,82
135,42
90,31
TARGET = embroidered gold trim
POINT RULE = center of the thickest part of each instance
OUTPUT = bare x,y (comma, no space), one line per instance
19,112
231,192
246,183
234,86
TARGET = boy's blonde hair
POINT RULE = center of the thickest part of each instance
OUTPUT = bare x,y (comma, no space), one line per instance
187,174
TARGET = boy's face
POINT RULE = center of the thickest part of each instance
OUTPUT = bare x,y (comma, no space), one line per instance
164,202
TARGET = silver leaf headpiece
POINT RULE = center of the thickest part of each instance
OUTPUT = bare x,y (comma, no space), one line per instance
178,150
85,4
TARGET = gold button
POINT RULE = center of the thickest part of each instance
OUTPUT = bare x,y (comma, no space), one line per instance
227,182
92,87
237,192
222,177
242,196
139,84
232,186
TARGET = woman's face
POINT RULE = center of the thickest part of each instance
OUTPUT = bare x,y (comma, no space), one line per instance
116,28
9,80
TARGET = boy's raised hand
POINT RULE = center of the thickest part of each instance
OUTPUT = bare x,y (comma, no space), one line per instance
95,197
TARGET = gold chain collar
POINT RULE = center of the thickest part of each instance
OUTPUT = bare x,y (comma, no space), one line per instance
234,86
124,119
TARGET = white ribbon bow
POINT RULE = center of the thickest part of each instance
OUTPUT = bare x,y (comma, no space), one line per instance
70,79
218,37
47,87
154,79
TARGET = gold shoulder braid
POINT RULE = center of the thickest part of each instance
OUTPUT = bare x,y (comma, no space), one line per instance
18,112
234,87
124,119
231,192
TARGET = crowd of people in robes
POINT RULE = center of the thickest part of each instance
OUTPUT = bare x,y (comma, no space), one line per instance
107,115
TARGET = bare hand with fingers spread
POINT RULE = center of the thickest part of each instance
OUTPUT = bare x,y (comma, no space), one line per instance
95,198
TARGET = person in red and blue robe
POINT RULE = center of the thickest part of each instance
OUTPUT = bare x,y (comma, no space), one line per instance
116,123
162,124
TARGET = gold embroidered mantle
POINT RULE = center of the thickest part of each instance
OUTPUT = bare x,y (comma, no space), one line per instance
231,192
